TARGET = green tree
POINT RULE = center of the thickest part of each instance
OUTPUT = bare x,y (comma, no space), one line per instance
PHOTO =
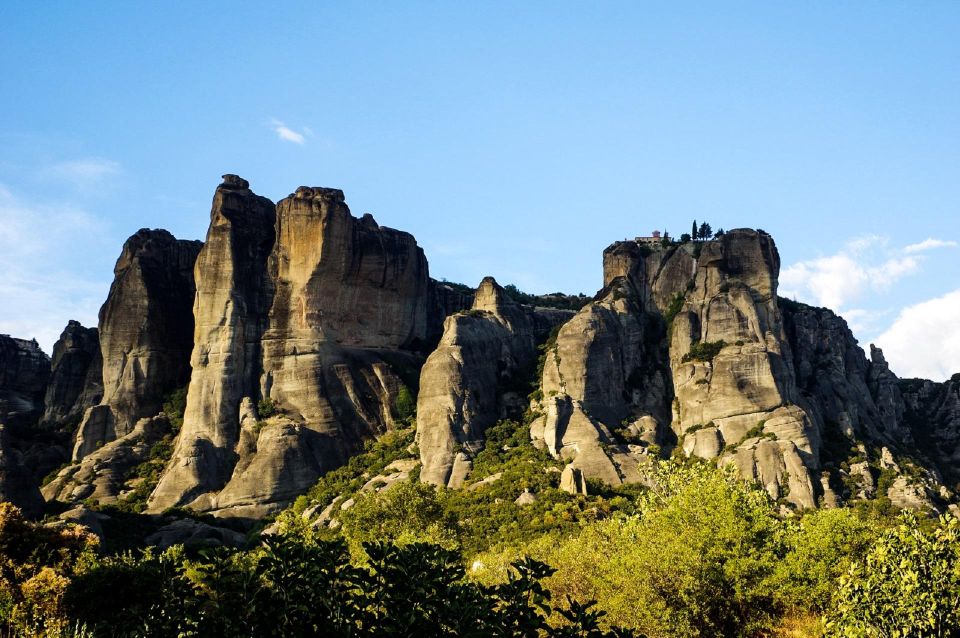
695,563
405,405
705,231
694,230
908,585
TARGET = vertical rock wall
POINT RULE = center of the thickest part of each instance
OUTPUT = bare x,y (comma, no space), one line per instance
146,334
233,292
76,376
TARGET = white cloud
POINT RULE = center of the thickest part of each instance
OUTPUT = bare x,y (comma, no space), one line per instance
863,265
84,173
287,134
929,244
924,340
40,290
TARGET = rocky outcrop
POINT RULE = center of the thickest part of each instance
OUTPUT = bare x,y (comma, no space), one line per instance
932,412
325,315
106,474
464,382
24,372
230,315
76,376
146,334
726,373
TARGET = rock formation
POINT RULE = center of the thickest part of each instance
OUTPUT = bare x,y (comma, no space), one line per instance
24,372
76,381
779,394
932,411
463,382
105,474
230,312
146,334
328,313
297,327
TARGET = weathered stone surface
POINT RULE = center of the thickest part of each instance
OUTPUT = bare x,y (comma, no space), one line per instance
230,314
462,382
572,481
610,361
194,534
526,498
76,376
344,280
146,334
328,314
24,371
104,475
932,412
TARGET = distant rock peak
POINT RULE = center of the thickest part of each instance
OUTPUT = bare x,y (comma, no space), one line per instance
234,182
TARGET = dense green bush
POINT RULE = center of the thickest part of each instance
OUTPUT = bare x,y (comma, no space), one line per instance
405,405
300,587
908,585
704,350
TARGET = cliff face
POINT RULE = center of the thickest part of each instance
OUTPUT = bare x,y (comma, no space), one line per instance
298,326
24,372
780,390
146,334
309,311
230,312
76,376
464,382
932,412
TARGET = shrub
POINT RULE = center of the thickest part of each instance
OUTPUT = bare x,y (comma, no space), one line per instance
907,585
703,351
674,308
695,563
266,408
174,406
405,405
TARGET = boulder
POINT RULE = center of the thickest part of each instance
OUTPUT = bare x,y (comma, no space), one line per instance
104,475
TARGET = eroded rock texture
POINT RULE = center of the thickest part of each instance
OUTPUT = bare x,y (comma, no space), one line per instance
736,382
105,474
308,310
465,383
932,411
233,293
76,377
146,335
24,371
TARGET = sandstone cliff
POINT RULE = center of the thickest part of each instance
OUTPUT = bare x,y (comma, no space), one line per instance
687,345
464,384
76,373
24,372
230,309
326,313
146,334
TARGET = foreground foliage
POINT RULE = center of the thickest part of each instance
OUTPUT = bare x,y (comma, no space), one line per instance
698,552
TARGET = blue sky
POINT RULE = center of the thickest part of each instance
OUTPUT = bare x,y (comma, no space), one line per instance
513,139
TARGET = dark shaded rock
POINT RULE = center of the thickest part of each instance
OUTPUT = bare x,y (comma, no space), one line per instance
76,377
24,372
146,335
